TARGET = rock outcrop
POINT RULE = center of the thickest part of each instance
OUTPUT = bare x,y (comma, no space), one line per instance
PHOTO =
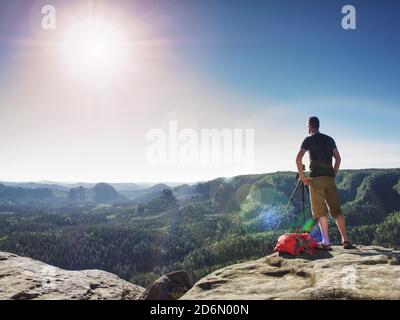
25,278
366,272
169,287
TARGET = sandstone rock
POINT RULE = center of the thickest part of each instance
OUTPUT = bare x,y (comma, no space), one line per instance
366,272
25,278
169,287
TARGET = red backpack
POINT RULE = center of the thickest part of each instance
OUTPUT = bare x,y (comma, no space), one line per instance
296,243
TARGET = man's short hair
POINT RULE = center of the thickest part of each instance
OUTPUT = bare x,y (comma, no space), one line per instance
314,122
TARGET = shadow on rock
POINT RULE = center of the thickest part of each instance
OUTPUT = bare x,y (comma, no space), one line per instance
318,256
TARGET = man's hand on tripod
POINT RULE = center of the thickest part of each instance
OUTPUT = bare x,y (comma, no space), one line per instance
301,167
306,180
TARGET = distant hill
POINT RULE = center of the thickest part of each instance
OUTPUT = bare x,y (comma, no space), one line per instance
99,193
78,194
35,185
54,197
29,195
104,192
146,194
367,195
131,191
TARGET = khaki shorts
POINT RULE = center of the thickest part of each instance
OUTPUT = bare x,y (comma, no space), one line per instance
323,194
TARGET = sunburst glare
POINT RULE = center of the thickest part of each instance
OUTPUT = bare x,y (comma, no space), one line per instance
95,47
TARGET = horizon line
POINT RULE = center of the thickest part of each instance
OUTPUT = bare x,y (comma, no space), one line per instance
45,181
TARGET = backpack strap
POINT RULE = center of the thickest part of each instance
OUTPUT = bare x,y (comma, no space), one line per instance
304,244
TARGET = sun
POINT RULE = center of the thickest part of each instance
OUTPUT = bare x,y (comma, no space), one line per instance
94,46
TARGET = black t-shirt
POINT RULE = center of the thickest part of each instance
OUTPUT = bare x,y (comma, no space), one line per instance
320,147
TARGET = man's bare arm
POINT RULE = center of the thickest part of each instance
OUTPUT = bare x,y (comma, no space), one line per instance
338,160
299,163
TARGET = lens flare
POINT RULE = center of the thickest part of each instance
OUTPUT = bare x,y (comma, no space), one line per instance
309,225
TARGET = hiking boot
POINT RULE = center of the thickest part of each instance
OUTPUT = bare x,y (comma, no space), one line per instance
324,247
347,245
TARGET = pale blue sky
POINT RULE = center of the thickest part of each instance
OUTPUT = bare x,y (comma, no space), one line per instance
263,65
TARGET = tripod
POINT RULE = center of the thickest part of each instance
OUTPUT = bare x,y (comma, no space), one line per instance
298,186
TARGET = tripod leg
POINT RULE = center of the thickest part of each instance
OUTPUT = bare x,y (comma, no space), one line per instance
303,204
285,211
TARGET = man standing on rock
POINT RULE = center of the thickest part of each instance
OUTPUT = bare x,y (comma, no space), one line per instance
323,191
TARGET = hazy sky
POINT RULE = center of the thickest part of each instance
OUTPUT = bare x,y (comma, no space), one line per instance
78,102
